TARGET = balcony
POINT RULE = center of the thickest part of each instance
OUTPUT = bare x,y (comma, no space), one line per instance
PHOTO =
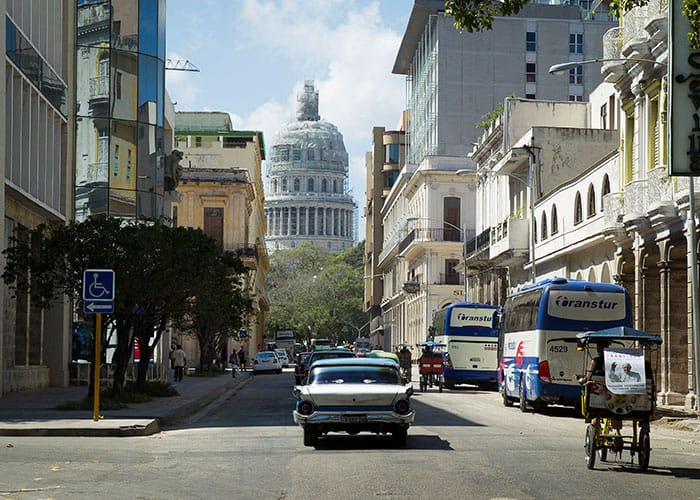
613,210
660,192
613,69
636,203
99,94
97,172
509,238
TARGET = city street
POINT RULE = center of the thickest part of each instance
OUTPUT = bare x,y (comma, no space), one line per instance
464,444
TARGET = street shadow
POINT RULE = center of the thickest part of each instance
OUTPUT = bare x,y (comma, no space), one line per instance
337,442
677,472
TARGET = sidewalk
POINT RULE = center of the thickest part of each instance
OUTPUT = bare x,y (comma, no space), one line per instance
34,413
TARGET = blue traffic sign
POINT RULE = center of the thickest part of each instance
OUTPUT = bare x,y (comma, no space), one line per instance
98,291
98,284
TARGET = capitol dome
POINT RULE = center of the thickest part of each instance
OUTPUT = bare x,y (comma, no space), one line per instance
308,197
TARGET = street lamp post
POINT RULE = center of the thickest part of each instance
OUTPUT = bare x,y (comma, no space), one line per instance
558,69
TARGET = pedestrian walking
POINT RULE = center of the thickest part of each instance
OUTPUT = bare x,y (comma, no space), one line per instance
241,359
234,363
179,362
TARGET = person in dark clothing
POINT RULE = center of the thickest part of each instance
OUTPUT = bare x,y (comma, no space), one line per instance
241,359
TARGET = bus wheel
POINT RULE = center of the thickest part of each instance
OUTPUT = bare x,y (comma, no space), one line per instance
506,400
523,401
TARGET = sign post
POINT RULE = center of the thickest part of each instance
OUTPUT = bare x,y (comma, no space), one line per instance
98,298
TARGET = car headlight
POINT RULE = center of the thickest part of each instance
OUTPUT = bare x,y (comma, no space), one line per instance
305,408
402,407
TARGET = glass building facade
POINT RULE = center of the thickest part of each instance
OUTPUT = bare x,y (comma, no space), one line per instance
120,152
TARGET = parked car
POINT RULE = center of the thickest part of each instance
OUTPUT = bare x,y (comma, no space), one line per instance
301,367
354,395
338,352
284,357
266,361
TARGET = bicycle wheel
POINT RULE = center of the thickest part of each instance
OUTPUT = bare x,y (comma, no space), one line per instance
590,446
644,449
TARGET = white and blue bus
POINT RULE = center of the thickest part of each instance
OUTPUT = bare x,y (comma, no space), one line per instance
539,362
470,332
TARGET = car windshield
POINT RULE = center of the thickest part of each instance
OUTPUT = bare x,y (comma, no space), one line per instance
263,355
332,355
354,375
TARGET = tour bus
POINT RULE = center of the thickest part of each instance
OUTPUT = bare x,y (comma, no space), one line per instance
539,362
470,332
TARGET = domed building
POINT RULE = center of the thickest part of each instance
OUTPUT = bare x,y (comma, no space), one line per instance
308,196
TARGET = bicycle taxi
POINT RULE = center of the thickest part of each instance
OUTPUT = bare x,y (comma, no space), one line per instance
430,365
623,392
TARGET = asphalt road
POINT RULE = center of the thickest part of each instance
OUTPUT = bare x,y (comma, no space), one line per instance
465,444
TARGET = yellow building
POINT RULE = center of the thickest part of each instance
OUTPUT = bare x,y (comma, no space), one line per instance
221,191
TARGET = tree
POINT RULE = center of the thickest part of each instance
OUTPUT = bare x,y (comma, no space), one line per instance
477,15
157,270
310,288
216,308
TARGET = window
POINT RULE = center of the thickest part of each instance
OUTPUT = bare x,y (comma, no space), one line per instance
555,223
590,212
530,96
214,224
128,164
115,166
530,72
391,153
576,75
604,116
310,186
576,43
296,154
451,276
544,226
604,191
118,84
297,184
310,154
284,185
274,186
324,186
531,41
335,186
576,98
197,142
578,210
451,217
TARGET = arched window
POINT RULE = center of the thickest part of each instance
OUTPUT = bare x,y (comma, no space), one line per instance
335,186
544,226
310,184
605,190
578,210
297,184
274,186
284,185
590,212
554,221
324,186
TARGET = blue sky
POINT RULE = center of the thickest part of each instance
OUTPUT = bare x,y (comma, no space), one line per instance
254,56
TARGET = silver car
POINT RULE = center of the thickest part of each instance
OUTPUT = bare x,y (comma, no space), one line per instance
354,395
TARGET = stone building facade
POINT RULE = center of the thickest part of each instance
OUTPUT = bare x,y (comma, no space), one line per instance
308,198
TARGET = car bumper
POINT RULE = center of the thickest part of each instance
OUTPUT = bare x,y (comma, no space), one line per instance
354,419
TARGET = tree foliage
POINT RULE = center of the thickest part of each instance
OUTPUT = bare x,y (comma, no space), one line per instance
159,271
323,291
477,15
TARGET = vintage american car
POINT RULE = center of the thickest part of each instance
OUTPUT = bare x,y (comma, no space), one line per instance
354,395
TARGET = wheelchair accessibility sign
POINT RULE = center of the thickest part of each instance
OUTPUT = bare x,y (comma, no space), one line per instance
98,291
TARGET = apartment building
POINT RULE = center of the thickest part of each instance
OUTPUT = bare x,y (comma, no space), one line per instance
221,191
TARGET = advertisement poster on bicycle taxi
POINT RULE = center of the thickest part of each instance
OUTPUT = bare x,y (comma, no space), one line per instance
625,371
